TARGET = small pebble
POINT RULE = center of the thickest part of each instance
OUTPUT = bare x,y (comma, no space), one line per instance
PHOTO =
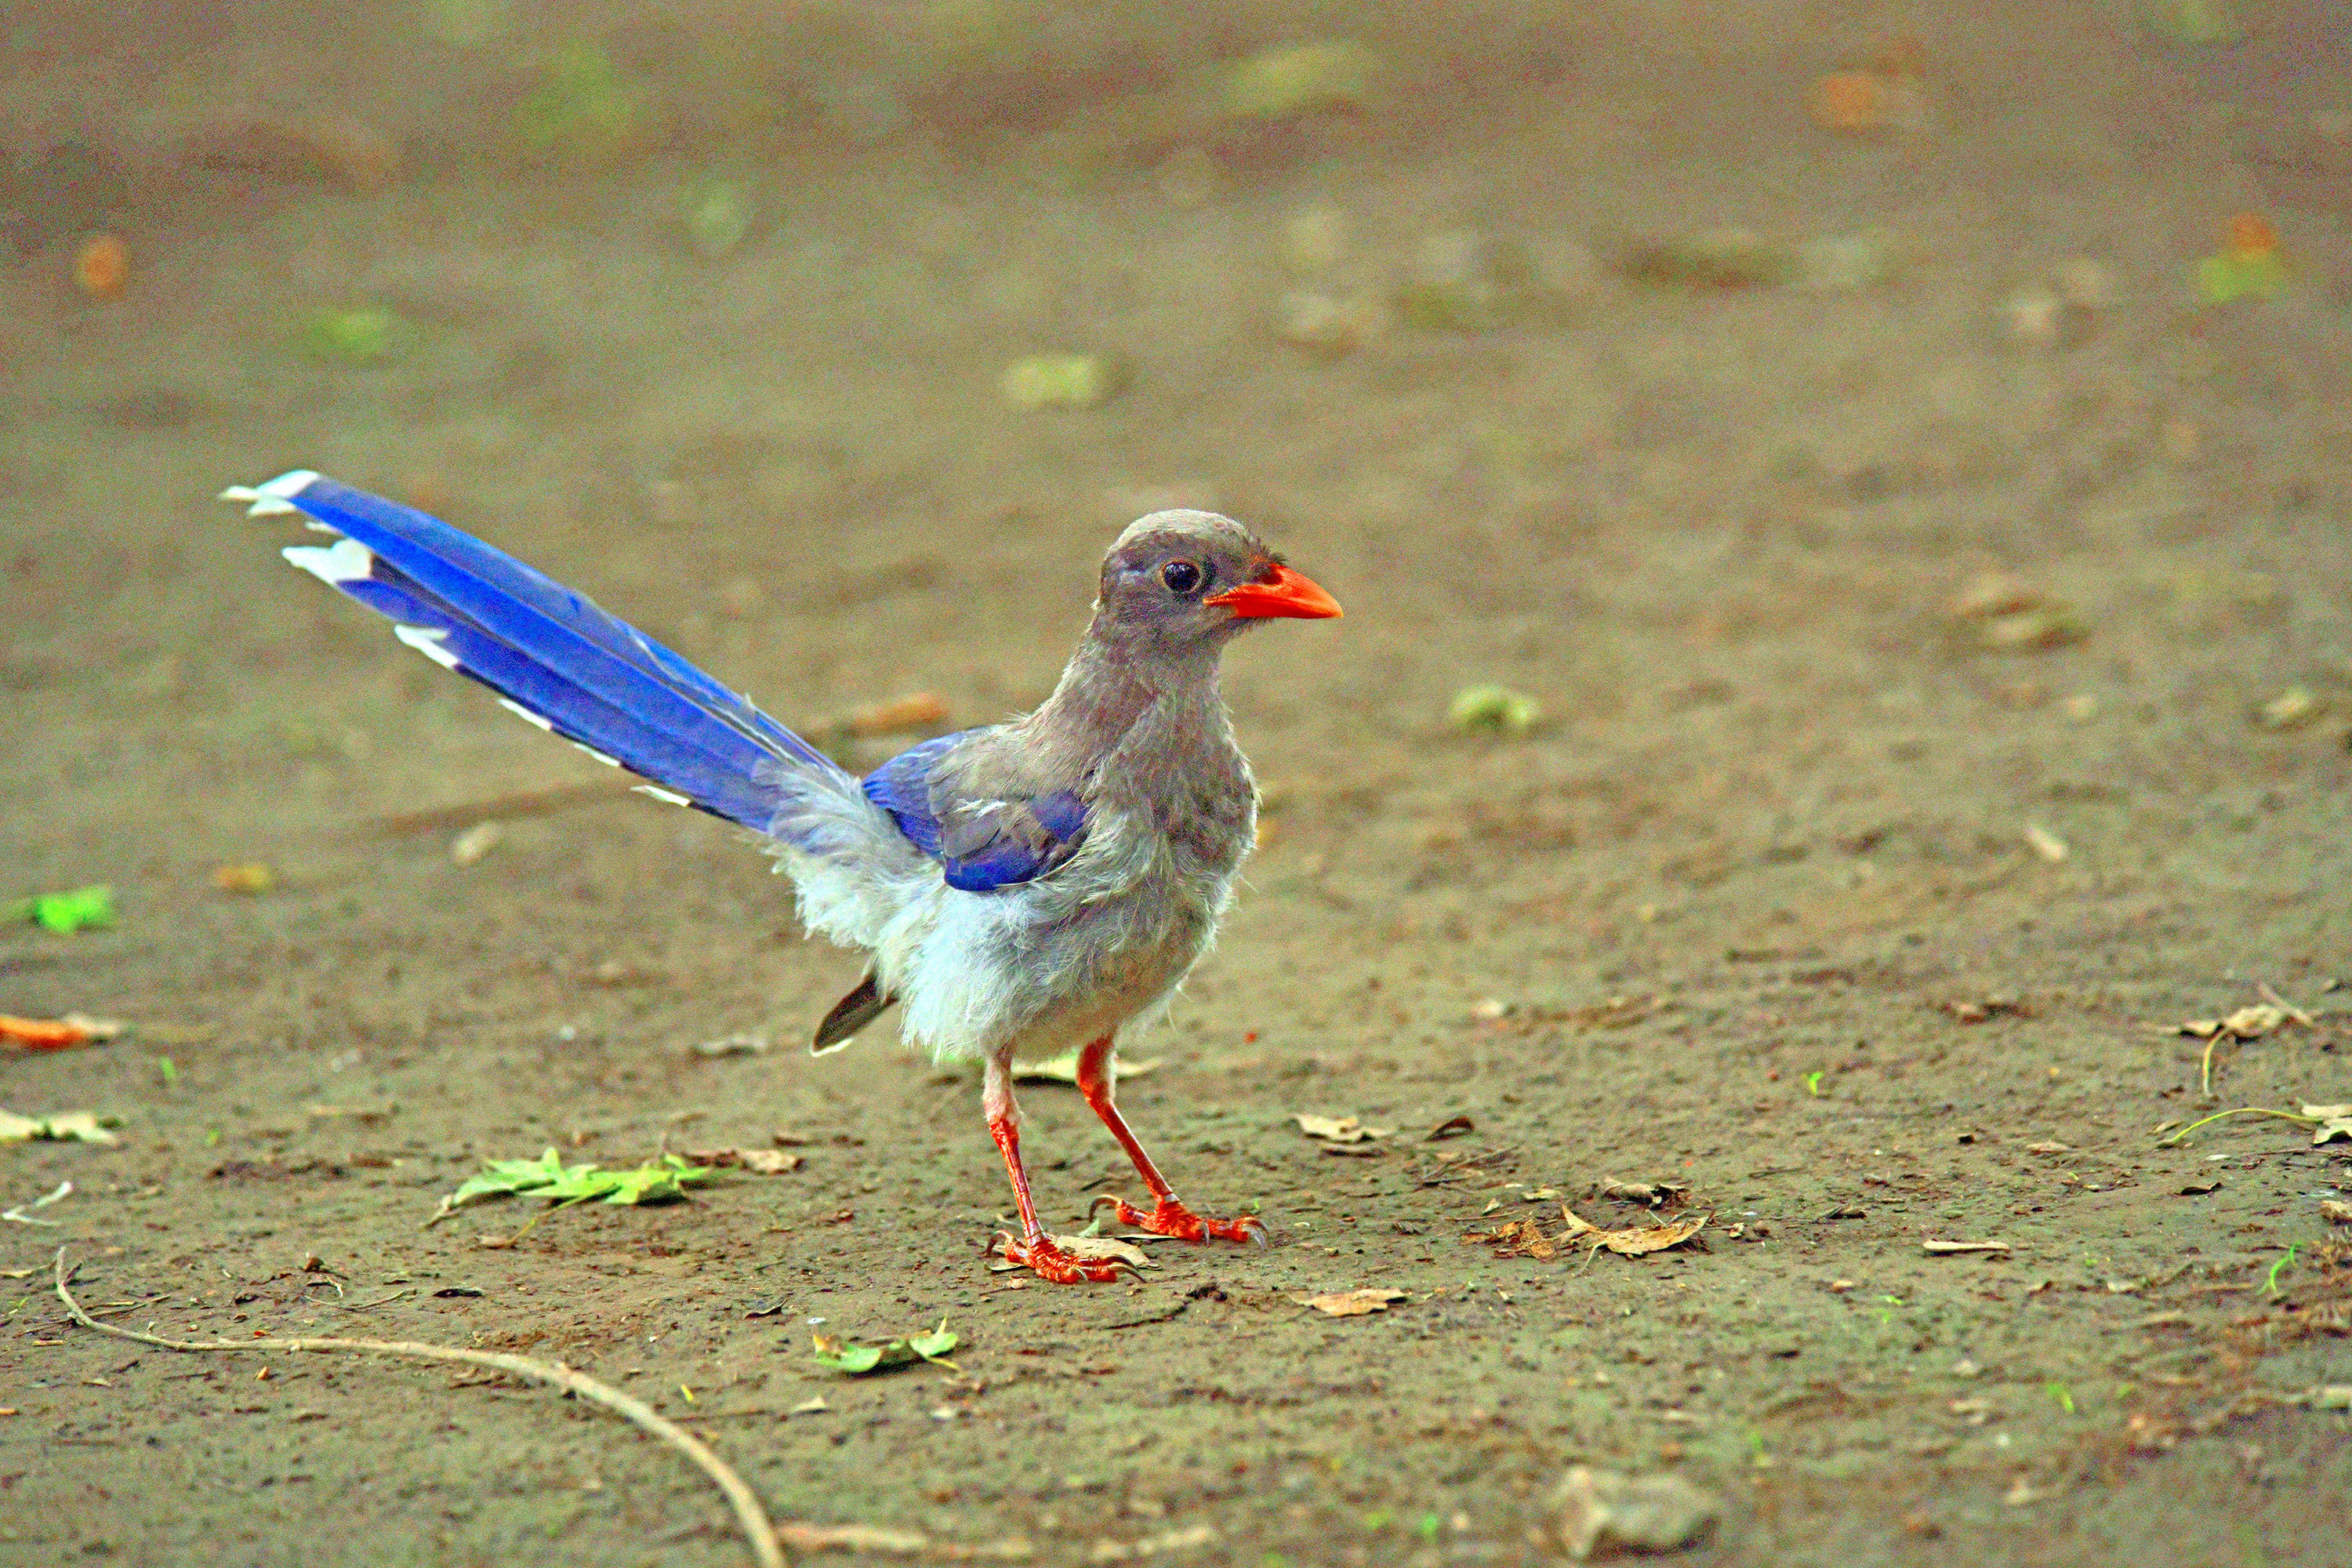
2291,708
249,877
1602,1513
476,841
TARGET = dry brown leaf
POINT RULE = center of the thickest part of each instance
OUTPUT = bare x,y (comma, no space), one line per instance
250,877
2049,1148
1991,593
1104,1249
758,1162
1633,1240
2254,1022
2334,1212
1930,1244
2245,1024
2334,1121
1517,1238
1339,1129
1658,1194
1089,1249
1351,1303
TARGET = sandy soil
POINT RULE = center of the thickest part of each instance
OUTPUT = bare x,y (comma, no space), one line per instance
1802,898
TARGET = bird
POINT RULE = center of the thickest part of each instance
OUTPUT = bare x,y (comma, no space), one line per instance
1020,890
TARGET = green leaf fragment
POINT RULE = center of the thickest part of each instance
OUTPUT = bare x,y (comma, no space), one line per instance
509,1176
362,335
79,908
583,99
549,1177
664,1182
2271,1281
2229,276
1492,709
933,1345
859,1360
2192,21
1063,380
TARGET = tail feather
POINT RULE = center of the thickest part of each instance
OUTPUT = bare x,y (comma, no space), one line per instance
553,654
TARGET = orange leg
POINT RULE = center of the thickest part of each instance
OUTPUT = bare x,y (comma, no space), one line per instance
1033,1248
1168,1215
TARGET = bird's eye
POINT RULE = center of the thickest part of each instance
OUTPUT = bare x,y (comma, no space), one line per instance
1181,576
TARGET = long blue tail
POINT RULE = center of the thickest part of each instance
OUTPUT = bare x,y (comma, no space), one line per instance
552,656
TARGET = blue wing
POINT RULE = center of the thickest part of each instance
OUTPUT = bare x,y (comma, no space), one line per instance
550,653
981,844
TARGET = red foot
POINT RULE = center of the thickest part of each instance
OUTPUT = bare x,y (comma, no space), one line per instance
1056,1267
1170,1218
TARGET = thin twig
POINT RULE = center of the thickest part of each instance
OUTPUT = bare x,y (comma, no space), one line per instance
2285,1006
379,1301
753,1519
2169,1140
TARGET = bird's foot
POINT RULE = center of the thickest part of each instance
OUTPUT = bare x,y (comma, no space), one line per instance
1172,1218
1056,1267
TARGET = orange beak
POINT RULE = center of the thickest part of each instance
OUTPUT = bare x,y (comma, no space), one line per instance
1285,593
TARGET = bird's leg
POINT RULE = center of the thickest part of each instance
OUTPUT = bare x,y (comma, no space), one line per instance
1168,1216
1033,1248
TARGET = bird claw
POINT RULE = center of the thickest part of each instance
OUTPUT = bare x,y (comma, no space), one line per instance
1054,1266
1170,1218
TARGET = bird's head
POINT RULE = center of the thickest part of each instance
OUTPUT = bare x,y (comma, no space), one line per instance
1187,581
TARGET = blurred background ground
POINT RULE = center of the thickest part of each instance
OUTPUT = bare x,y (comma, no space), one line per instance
1901,451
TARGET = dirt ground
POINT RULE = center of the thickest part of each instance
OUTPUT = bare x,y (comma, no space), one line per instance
1861,911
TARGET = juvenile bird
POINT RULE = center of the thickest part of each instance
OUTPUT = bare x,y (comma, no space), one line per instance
1020,890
